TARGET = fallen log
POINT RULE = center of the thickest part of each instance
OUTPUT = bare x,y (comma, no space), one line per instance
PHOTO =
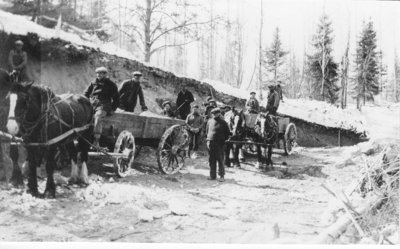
333,232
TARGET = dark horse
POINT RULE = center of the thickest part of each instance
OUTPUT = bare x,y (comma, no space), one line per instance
6,82
38,115
264,133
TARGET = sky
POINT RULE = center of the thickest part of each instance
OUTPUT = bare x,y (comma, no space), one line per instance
297,20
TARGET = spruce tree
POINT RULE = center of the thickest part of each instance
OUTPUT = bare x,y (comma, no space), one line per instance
323,70
274,58
367,67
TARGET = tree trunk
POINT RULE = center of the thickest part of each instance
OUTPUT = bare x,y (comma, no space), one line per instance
147,27
260,50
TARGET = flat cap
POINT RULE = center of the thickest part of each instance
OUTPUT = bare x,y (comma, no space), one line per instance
137,73
19,42
215,110
167,102
211,100
101,70
271,86
252,92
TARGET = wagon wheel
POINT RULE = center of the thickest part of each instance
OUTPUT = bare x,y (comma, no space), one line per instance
249,149
172,149
289,139
125,144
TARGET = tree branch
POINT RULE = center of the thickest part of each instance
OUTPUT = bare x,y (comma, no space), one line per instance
171,45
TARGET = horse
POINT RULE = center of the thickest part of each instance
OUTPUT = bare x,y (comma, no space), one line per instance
6,82
232,118
38,115
265,131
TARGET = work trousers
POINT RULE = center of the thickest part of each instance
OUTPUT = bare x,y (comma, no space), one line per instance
194,141
216,155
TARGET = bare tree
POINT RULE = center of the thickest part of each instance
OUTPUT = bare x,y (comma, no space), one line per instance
151,21
344,74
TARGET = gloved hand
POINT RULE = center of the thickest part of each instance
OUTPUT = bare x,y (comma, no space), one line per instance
144,108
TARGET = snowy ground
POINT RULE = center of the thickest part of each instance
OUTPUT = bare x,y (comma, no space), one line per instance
150,207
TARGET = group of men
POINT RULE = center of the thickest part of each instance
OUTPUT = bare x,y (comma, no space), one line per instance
106,97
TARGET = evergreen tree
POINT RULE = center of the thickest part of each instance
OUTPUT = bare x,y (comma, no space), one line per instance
275,58
367,67
323,70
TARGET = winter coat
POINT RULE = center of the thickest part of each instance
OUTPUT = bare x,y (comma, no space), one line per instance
183,103
103,93
253,105
273,101
217,130
128,93
195,121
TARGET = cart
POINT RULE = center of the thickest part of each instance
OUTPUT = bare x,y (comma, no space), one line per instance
125,133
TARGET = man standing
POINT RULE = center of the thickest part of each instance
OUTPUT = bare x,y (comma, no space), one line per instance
273,100
211,105
195,123
183,102
103,94
167,109
217,131
252,104
129,91
18,60
279,90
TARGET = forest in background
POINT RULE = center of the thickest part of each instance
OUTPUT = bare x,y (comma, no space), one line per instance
170,33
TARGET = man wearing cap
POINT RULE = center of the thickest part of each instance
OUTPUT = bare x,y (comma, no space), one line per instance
103,94
217,131
18,60
167,109
185,98
252,104
211,105
273,100
129,91
195,123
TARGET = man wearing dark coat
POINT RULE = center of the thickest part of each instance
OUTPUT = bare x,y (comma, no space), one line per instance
129,92
252,104
103,94
18,60
183,102
273,100
217,131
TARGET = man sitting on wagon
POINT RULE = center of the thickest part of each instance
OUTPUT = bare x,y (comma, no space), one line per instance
103,94
252,104
167,109
129,92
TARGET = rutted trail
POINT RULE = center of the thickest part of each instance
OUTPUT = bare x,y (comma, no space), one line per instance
150,207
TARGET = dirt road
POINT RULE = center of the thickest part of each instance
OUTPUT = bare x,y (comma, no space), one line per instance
249,207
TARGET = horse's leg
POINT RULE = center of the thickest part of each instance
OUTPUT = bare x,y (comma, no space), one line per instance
259,157
228,148
269,158
50,191
73,154
84,156
2,164
32,180
240,153
16,176
236,148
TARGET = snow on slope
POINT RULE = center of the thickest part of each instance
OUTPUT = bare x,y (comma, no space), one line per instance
371,119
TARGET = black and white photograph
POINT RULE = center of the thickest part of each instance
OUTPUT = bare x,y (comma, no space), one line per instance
183,123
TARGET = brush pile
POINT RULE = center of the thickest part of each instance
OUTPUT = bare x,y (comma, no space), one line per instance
368,211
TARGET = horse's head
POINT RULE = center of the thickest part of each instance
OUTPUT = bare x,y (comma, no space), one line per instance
237,122
267,128
25,104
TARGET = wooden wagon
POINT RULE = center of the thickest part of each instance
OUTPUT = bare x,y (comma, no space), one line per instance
124,133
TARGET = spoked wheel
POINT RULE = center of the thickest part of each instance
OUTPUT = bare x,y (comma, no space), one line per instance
125,145
172,149
249,149
289,139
